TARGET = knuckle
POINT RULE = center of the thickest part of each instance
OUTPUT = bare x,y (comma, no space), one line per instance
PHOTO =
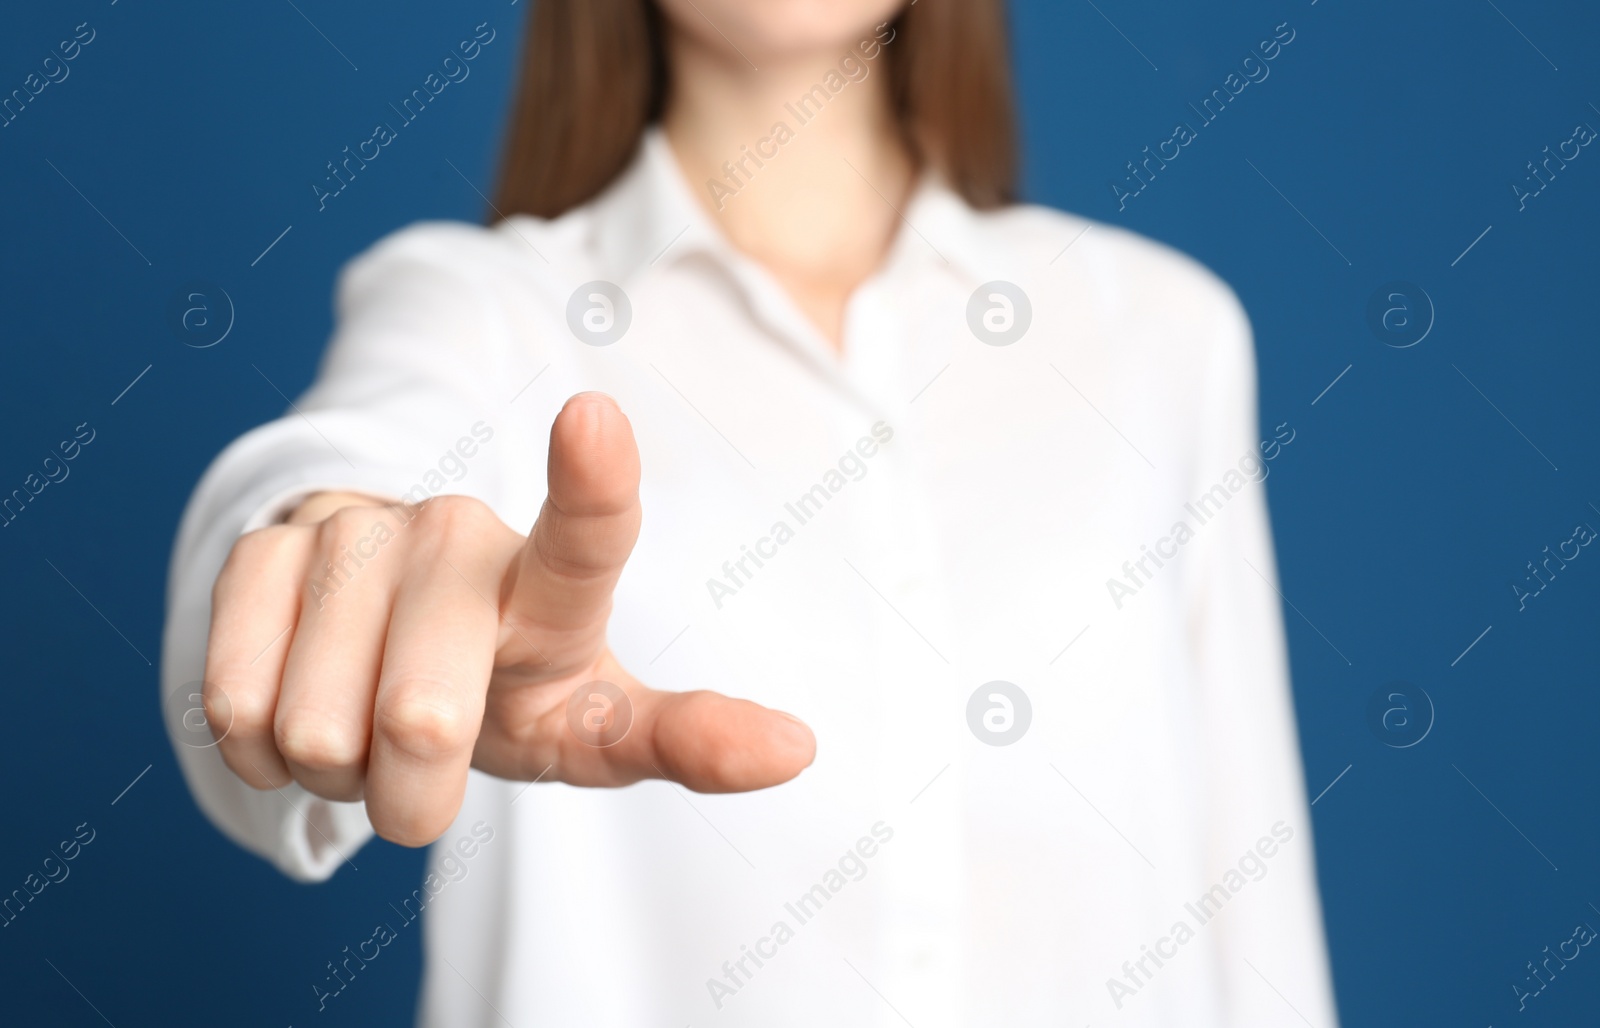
253,551
246,706
268,540
584,548
426,728
346,523
316,741
726,766
451,514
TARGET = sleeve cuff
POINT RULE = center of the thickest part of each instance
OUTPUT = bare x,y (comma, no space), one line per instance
324,835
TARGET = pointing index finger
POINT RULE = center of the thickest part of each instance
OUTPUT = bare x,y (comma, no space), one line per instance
562,582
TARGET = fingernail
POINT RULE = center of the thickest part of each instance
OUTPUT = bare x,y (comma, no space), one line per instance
804,739
805,732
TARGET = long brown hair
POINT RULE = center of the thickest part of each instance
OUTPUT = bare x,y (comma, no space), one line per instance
594,77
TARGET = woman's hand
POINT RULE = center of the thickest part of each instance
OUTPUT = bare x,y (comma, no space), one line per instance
372,651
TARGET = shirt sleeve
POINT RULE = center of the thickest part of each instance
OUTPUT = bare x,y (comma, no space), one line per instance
417,339
1272,953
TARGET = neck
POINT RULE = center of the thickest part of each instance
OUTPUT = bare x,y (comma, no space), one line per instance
803,179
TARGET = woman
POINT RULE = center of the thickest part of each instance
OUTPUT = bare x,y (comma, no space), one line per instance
899,458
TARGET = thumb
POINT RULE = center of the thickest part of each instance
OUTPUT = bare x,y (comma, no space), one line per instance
703,740
562,581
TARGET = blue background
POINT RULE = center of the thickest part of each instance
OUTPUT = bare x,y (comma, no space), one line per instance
1407,505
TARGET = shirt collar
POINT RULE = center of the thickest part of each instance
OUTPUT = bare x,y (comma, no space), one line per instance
938,230
650,217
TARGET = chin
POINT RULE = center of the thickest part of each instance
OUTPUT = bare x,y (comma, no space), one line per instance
777,28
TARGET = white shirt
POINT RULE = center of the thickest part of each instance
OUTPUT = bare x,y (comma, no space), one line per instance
952,881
